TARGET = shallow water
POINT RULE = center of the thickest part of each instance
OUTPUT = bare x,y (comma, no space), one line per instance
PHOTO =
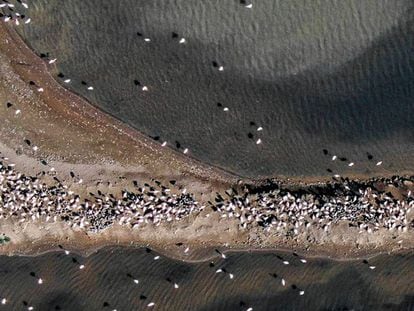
328,285
314,74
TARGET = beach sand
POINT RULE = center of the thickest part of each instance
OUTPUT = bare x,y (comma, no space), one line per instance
72,135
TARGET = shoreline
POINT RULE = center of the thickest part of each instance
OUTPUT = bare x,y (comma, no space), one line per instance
202,255
198,251
193,165
39,238
75,108
73,134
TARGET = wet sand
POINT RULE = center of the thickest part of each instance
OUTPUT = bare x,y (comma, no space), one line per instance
73,135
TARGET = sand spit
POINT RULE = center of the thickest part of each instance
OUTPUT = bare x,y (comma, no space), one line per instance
61,129
71,129
35,225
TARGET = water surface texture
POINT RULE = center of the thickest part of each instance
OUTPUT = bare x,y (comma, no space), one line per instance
107,282
314,74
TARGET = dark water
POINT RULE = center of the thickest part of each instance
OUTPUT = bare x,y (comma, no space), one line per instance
328,285
314,74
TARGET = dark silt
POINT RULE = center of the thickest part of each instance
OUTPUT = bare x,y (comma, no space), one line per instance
314,74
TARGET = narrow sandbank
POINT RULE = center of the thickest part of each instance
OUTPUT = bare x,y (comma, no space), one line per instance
72,135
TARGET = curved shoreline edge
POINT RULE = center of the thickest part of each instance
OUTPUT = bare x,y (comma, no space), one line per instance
189,164
20,54
72,133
